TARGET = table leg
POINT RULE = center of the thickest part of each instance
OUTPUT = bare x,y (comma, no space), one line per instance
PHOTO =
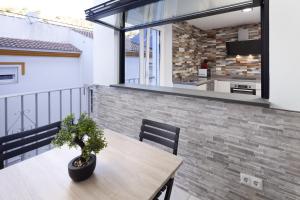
169,189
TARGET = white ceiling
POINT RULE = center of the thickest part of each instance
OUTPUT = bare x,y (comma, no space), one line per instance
227,19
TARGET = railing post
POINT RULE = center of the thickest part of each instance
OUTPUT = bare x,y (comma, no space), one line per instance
22,119
36,115
60,105
92,100
36,110
49,112
1,156
71,111
89,101
79,101
22,113
49,107
5,129
5,117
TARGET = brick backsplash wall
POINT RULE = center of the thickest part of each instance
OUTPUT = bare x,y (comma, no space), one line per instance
217,142
248,66
187,50
192,45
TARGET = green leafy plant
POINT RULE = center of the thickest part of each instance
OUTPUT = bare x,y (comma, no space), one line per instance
85,134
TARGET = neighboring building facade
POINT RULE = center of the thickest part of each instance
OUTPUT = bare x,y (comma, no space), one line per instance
37,57
34,65
67,68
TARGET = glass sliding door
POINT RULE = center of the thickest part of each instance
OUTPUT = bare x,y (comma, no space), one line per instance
132,57
154,57
142,57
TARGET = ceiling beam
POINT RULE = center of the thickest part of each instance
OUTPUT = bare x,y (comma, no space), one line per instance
114,7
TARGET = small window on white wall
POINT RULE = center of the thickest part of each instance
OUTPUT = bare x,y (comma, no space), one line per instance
8,75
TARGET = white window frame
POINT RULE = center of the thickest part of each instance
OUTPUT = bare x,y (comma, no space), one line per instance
14,71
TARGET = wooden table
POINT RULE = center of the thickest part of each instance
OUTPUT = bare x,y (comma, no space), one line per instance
126,170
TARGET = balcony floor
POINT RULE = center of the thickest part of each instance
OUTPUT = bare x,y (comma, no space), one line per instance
179,194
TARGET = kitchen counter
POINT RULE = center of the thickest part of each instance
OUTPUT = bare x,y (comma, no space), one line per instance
226,97
201,81
219,84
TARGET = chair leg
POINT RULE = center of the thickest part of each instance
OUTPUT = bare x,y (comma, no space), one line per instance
169,189
1,165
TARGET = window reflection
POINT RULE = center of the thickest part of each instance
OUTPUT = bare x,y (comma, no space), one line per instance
142,57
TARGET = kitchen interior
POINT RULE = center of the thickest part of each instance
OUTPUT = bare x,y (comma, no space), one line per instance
220,53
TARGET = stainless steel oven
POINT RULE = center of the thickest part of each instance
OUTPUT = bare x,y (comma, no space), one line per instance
243,88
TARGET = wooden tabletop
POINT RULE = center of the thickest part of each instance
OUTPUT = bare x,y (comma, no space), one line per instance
126,169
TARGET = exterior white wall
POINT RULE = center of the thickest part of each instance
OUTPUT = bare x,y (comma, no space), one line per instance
284,54
106,56
42,74
166,57
16,27
86,58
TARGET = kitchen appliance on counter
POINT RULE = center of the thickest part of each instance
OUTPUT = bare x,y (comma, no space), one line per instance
204,73
243,88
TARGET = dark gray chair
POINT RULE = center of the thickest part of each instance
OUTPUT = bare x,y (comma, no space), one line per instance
20,143
166,135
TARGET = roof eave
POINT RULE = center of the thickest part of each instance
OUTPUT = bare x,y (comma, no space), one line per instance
39,53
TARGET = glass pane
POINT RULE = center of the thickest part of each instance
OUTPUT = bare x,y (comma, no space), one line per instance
132,57
167,9
114,20
154,58
142,68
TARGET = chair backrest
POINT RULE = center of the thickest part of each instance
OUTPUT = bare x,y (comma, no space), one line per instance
20,143
163,134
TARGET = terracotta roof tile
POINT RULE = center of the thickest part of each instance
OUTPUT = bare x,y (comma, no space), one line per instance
85,33
12,43
131,46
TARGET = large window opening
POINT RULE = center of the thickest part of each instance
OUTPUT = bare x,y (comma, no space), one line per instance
220,53
142,57
210,45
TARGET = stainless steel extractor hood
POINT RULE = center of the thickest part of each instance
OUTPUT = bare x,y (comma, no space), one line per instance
243,46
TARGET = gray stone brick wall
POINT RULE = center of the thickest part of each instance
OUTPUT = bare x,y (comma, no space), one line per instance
218,140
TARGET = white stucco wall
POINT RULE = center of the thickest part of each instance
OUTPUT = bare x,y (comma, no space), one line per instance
17,27
86,58
42,74
166,57
284,54
105,55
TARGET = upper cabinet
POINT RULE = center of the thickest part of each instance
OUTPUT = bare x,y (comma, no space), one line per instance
246,47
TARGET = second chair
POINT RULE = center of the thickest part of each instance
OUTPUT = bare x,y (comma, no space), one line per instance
166,135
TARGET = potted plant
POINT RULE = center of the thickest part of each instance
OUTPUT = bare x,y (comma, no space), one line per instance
85,134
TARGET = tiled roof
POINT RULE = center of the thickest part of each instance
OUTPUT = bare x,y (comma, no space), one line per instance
85,33
12,43
131,46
